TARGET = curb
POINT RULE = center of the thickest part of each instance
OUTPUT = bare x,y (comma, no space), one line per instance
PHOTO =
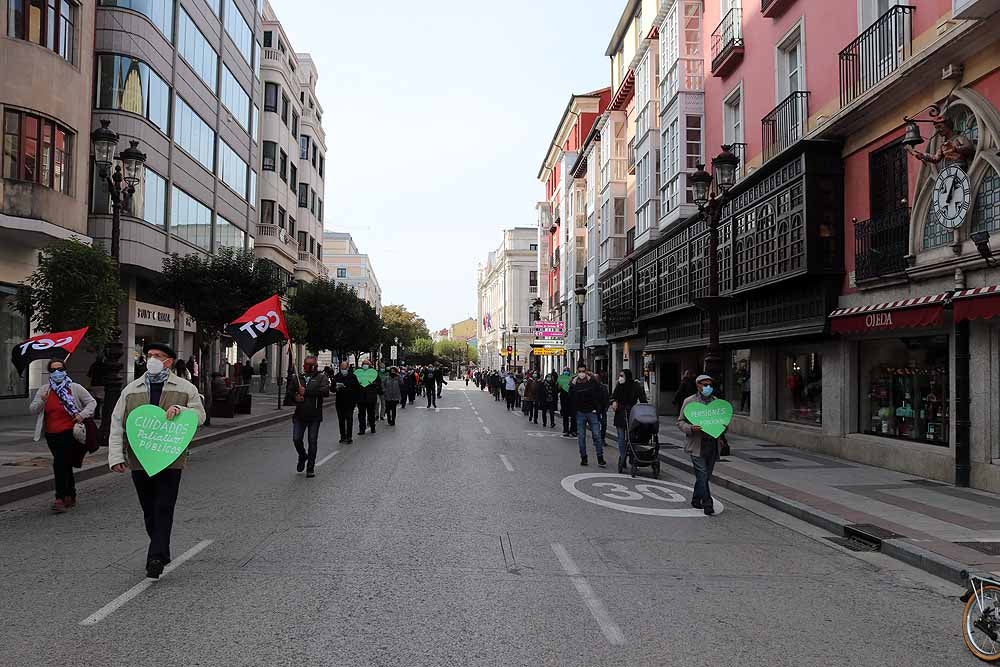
14,492
900,549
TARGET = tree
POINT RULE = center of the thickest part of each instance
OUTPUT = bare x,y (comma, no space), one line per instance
75,285
337,319
216,289
402,324
421,352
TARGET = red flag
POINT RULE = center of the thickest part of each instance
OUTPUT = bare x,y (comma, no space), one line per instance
57,345
260,326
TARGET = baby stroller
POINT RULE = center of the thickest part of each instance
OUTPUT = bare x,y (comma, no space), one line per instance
642,439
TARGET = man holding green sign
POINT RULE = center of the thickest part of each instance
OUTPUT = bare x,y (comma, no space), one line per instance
151,427
703,419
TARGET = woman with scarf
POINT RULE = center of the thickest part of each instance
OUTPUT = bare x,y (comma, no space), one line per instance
60,405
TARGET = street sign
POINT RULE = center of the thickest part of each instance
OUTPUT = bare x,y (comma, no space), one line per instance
550,329
548,351
548,342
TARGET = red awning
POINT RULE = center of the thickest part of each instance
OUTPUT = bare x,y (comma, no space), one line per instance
978,303
918,312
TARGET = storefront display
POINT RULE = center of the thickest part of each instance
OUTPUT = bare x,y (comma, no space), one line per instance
905,388
738,380
800,388
13,330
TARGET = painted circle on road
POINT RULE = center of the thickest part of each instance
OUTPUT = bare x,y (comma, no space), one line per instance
543,434
651,497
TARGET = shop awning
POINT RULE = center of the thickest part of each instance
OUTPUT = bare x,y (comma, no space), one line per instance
977,303
918,312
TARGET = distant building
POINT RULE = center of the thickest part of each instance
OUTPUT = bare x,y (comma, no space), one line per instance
348,265
506,287
463,330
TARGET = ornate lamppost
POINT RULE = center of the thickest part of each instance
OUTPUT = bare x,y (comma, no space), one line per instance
710,202
121,187
581,297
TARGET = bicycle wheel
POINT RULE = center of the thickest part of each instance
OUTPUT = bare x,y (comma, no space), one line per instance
981,613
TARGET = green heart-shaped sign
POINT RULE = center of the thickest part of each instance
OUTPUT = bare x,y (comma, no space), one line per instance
564,381
713,418
157,441
365,375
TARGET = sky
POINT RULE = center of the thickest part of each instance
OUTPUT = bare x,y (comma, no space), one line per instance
437,116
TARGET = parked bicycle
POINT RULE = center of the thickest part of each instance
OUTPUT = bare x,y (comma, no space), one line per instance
981,617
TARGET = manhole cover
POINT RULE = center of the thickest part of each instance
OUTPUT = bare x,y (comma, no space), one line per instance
988,548
766,459
853,544
871,531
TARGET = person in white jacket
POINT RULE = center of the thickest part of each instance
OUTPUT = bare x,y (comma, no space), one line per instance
60,405
157,493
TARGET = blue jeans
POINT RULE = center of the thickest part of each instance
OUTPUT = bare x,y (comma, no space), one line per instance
582,420
703,467
299,427
622,448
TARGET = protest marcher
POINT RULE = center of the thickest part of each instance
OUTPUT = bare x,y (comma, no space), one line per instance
430,385
627,393
306,392
368,401
157,493
61,405
347,389
703,448
392,392
586,396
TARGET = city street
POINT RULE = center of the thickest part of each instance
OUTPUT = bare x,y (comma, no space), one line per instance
454,538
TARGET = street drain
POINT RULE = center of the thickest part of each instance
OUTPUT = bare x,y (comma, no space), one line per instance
988,548
854,544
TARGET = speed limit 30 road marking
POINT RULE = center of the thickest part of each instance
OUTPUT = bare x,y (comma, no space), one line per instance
655,495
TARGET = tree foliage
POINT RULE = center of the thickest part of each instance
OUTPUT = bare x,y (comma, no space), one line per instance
75,285
403,324
421,351
216,289
336,318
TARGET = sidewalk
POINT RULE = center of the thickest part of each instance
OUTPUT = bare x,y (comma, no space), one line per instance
26,466
934,526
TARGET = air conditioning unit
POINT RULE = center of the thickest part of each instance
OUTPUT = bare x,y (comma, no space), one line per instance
974,9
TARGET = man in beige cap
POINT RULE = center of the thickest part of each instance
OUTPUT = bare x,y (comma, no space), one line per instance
703,448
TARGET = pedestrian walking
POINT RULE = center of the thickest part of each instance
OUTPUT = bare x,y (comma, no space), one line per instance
247,374
194,368
61,405
409,387
627,393
439,379
306,392
158,493
602,412
382,375
549,397
566,409
686,388
393,394
368,402
430,387
262,371
528,398
703,448
586,398
346,388
510,390
181,371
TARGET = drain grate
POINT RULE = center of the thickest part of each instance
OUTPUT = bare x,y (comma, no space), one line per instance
988,548
923,482
766,459
854,544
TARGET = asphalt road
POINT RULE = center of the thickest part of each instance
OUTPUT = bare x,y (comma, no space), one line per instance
450,539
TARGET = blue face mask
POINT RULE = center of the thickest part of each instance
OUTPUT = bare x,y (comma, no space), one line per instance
58,376
706,391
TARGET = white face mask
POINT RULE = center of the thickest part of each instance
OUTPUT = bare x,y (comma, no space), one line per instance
621,379
154,366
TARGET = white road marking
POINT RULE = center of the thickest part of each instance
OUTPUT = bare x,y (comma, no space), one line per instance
422,407
131,593
480,420
609,628
328,457
488,432
506,462
644,489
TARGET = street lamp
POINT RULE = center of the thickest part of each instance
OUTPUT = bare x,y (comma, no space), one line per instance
710,205
581,298
120,190
514,330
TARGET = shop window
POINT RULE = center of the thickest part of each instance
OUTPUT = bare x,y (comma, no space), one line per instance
13,330
800,388
904,388
738,380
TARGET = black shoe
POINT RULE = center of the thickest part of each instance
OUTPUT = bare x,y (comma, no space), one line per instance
583,461
601,462
349,441
709,510
361,432
154,568
310,473
301,464
697,504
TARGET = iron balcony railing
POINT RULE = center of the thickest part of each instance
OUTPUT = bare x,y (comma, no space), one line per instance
876,53
740,151
881,244
785,124
727,36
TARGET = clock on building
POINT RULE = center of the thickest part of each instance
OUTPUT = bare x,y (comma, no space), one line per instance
952,196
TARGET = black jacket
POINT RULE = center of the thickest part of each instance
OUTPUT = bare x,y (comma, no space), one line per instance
317,387
687,388
585,395
627,395
347,393
429,377
369,394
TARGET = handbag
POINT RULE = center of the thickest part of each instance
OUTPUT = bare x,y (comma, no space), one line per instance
85,433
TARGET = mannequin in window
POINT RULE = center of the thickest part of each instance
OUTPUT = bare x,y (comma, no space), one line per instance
954,148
